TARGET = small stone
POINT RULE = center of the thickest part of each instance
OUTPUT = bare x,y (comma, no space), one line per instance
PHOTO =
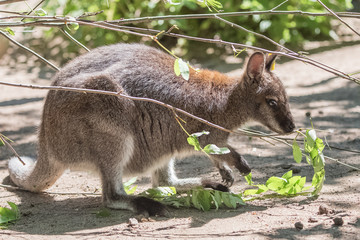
299,225
286,166
133,222
338,221
323,210
313,219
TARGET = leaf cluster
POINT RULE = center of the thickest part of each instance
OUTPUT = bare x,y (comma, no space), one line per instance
199,198
286,185
293,185
313,152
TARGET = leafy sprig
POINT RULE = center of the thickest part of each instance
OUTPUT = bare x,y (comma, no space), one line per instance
199,198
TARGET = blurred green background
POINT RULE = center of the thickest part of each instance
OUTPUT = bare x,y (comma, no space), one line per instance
289,30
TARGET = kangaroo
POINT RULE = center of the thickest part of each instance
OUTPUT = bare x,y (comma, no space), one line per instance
120,137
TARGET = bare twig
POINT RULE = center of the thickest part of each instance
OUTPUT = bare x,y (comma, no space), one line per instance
12,12
29,50
32,9
256,34
105,25
73,39
3,139
339,18
276,7
93,91
10,1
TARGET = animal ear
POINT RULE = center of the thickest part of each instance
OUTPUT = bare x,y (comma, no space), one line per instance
270,61
256,65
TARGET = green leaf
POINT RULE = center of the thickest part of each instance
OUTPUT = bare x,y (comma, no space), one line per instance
8,215
248,179
249,192
319,162
214,200
72,25
213,149
184,69
177,67
195,200
217,198
319,144
275,183
287,175
199,134
318,181
204,200
310,138
160,192
227,200
193,141
262,188
40,12
296,152
129,189
8,30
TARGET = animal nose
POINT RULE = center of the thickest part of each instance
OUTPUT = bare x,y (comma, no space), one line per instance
290,127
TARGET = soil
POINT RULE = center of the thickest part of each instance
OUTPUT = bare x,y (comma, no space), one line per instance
65,213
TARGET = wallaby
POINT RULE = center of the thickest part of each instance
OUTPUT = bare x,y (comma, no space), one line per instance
120,137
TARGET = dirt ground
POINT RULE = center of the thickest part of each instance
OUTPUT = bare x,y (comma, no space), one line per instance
333,103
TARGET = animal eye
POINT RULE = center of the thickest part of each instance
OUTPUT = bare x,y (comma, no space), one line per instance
272,103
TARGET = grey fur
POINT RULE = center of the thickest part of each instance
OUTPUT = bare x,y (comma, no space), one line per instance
120,137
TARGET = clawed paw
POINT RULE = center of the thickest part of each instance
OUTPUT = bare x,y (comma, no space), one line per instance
227,176
215,186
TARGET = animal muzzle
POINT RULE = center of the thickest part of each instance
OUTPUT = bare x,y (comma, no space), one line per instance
288,126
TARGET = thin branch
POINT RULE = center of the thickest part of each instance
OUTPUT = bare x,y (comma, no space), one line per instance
118,94
32,10
113,27
231,14
337,16
273,9
256,34
10,1
73,39
29,50
3,139
12,12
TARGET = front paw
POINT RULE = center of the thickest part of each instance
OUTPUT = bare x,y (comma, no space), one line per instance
227,175
215,185
148,207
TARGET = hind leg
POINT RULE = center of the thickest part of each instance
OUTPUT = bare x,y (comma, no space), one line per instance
115,197
166,176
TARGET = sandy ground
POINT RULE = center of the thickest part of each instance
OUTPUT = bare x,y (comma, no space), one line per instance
333,103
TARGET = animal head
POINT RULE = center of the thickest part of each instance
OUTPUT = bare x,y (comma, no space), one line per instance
267,94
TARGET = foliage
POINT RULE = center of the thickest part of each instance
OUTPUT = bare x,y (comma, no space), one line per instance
293,185
208,149
199,198
291,30
9,215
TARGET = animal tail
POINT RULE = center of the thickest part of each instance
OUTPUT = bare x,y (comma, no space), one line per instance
34,176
